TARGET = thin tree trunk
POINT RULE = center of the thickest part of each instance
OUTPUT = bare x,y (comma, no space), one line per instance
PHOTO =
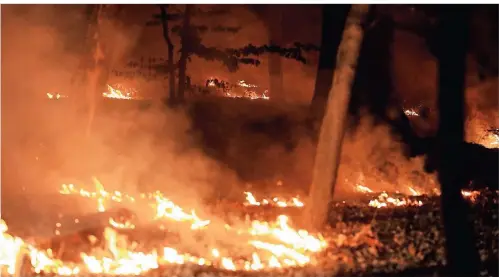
96,67
166,36
275,61
333,23
333,124
184,52
462,256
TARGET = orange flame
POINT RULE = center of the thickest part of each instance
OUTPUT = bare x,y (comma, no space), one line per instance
274,201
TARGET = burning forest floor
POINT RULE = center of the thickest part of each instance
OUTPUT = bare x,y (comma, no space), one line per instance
150,234
375,233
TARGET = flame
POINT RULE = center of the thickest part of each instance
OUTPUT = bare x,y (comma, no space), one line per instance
10,248
55,96
119,93
363,189
116,91
275,244
249,91
490,140
118,225
470,194
274,201
414,192
384,200
411,112
267,245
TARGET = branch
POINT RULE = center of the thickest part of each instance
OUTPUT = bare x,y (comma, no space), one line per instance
210,12
230,61
203,29
295,52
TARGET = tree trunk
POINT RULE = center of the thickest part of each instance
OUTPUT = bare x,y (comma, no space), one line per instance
274,15
166,36
184,51
96,71
332,129
333,23
462,256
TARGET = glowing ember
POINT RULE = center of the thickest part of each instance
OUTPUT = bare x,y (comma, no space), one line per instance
491,139
363,189
55,96
470,194
118,225
384,200
274,201
249,91
411,112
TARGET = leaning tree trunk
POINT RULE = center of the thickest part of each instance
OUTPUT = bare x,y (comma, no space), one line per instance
333,23
166,36
462,256
97,73
274,15
184,52
333,124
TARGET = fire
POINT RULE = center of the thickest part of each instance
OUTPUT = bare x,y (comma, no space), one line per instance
232,91
271,245
119,93
411,112
249,92
55,96
9,250
165,208
116,91
384,200
12,250
470,194
490,139
414,192
258,245
363,189
274,201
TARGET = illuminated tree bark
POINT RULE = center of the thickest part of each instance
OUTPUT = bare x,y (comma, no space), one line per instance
333,124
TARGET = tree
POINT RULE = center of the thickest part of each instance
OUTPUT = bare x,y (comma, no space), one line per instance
187,39
166,35
274,16
192,45
333,124
452,29
333,22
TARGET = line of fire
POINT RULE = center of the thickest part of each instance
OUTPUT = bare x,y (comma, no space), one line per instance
249,140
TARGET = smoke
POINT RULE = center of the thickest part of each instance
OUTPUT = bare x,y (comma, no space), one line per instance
130,149
134,149
372,156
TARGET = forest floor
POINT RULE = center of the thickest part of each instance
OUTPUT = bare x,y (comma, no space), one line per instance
263,143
